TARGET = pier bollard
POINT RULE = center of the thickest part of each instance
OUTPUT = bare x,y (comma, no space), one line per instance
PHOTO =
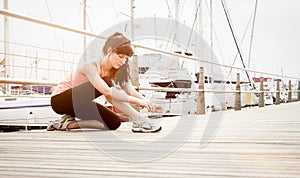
298,90
290,92
201,97
261,102
134,73
277,92
237,103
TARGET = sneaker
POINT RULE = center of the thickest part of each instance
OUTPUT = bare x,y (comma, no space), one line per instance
145,125
61,124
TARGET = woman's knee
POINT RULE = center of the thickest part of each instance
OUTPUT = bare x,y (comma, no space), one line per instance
113,125
111,119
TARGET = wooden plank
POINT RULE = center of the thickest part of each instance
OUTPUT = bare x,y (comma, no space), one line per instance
256,142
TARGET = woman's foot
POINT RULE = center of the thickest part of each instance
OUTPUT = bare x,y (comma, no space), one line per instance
145,125
61,124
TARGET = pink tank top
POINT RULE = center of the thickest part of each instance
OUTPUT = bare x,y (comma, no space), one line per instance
74,79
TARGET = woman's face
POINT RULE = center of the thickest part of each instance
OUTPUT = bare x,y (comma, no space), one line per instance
117,60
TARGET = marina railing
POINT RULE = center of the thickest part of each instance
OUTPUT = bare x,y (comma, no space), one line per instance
200,90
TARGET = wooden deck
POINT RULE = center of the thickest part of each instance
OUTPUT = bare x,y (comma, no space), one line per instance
254,142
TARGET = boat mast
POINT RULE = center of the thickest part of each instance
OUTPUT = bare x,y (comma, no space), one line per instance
177,31
4,71
132,19
84,28
199,22
252,32
176,19
211,37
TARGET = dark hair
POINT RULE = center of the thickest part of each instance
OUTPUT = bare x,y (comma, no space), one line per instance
124,49
118,43
122,75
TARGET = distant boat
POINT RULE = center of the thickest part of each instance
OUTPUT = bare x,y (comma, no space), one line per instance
26,109
157,70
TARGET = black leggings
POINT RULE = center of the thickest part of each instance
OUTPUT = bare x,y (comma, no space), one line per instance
78,102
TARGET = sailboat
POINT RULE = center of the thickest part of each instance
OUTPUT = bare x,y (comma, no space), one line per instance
185,39
180,79
162,71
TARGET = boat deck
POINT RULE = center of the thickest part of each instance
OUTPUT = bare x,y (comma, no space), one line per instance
254,142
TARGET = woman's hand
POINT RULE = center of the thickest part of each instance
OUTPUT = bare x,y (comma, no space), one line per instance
157,108
142,101
146,104
150,107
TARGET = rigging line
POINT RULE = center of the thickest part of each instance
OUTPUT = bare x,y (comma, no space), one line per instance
170,34
41,48
89,21
195,18
176,5
32,57
56,38
169,39
154,63
244,35
51,19
115,11
181,8
218,42
215,33
229,18
212,31
91,28
172,27
234,38
169,9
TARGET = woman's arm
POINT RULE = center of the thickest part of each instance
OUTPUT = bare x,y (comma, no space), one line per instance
131,91
91,72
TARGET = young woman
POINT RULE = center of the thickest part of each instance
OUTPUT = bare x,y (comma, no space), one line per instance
74,96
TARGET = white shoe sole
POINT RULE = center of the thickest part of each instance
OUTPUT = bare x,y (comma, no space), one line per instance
144,130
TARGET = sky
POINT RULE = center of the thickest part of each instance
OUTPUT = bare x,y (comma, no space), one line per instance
275,38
